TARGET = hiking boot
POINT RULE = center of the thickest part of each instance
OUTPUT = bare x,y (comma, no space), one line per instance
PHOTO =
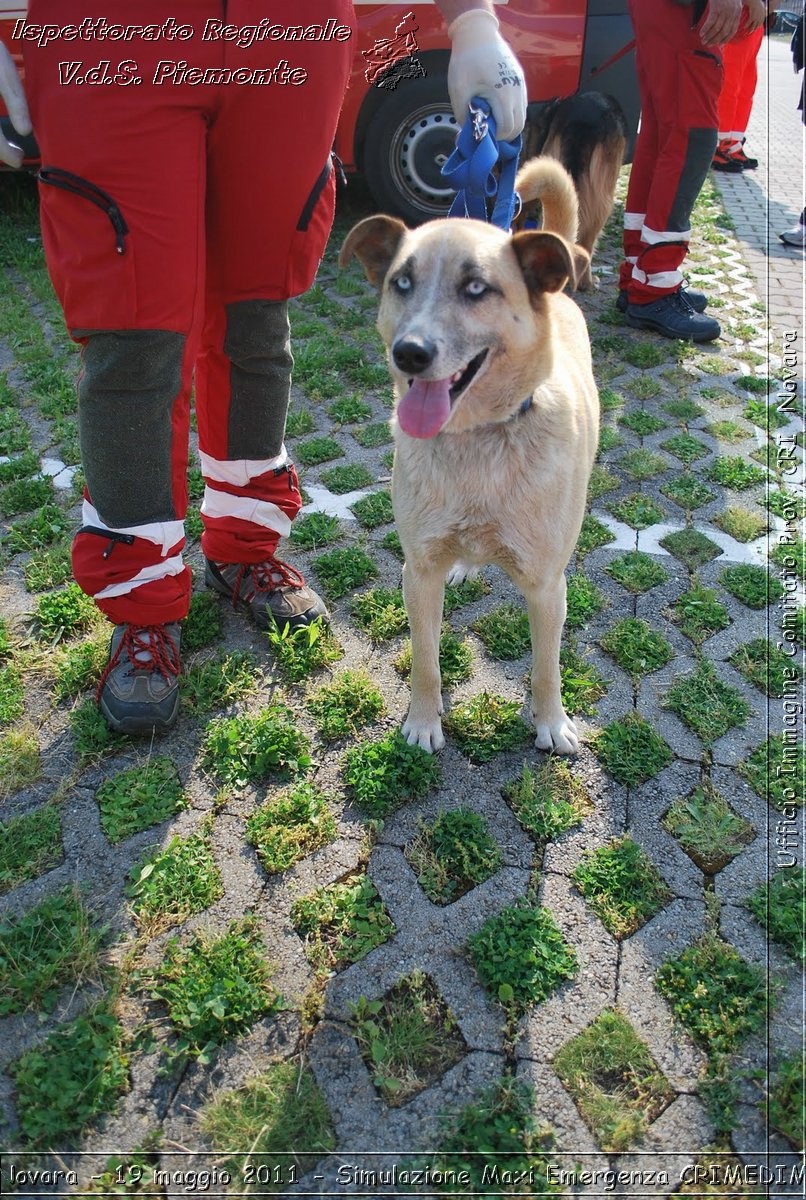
723,160
139,689
745,162
697,300
272,592
673,317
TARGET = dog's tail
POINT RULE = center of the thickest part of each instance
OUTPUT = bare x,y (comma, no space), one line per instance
546,180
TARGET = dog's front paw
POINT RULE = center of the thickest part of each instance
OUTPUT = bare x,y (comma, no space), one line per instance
427,734
461,573
559,735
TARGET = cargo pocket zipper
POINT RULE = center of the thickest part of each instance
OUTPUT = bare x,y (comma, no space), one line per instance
69,182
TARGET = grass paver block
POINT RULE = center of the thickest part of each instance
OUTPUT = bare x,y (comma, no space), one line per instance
707,705
707,828
621,885
342,923
290,825
548,800
521,956
453,854
631,750
636,647
134,800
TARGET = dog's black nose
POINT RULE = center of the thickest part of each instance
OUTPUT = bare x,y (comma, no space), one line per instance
413,354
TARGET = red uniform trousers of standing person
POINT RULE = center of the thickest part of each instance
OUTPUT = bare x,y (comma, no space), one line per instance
740,58
183,202
679,80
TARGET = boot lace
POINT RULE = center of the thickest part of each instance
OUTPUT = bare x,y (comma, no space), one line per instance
271,575
148,648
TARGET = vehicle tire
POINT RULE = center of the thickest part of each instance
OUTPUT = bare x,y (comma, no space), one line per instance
407,141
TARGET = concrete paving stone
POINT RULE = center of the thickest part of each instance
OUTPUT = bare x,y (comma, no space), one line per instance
648,804
598,828
683,1124
772,1151
651,696
573,1143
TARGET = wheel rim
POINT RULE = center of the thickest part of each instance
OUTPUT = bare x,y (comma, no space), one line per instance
418,150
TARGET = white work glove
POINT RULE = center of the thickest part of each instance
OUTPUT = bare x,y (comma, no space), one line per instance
482,64
16,106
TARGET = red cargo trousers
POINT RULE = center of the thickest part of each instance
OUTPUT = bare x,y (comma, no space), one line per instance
740,57
679,80
187,192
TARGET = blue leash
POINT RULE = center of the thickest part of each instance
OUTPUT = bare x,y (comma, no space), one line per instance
470,170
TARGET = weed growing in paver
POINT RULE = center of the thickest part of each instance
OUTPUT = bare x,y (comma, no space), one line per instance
621,885
453,854
688,491
639,512
717,996
636,571
194,526
71,1079
610,399
92,736
298,652
299,422
341,923
48,569
581,685
217,682
486,725
134,800
466,592
683,409
729,431
24,495
791,557
735,473
631,750
29,845
351,478
290,825
12,694
769,668
583,601
455,658
62,614
691,547
645,354
751,584
49,525
699,614
317,450
214,988
740,523
641,422
409,1038
249,747
685,447
592,535
521,955
373,510
636,648
707,705
615,1081
547,800
776,771
601,482
778,906
48,947
371,436
20,764
776,458
349,409
385,774
176,882
642,464
346,705
380,612
786,505
758,385
79,666
707,828
785,1105
282,1107
761,414
314,530
504,631
340,571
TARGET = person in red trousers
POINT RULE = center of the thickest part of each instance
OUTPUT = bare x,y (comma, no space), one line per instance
739,57
187,192
679,66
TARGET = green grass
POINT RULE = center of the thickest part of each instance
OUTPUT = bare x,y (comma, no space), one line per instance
24,495
466,592
642,464
776,770
637,511
592,535
642,422
299,422
685,447
380,612
581,685
341,708
371,436
317,450
340,571
707,828
699,613
759,385
246,748
20,762
610,399
409,1038
735,473
645,354
636,647
290,825
761,414
778,906
583,601
382,775
521,956
348,410
787,505
751,584
176,882
486,725
691,547
214,988
50,524
689,492
134,800
455,658
79,666
601,482
614,1080
48,568
314,530
65,613
740,523
373,510
92,736
729,431
709,707
767,667
341,923
71,1079
298,652
30,845
785,1104
217,682
790,556
504,631
683,409
636,571
12,694
275,1114
547,800
631,750
621,885
350,478
44,950
452,854
718,997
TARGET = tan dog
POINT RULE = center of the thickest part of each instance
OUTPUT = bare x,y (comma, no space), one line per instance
495,427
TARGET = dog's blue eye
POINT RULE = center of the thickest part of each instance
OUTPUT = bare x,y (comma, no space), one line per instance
403,283
476,288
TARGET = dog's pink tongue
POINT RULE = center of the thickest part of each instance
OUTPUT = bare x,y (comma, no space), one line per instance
425,407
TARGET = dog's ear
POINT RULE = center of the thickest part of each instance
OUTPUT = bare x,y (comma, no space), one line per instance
374,242
545,260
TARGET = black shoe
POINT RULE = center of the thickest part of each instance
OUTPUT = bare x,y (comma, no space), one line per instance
697,300
272,592
139,689
673,317
744,161
723,161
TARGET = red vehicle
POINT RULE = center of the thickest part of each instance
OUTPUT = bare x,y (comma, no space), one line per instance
397,127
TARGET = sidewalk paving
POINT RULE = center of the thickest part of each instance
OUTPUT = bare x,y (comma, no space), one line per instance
685,451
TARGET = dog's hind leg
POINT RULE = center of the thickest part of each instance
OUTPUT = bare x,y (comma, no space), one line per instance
554,729
423,595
